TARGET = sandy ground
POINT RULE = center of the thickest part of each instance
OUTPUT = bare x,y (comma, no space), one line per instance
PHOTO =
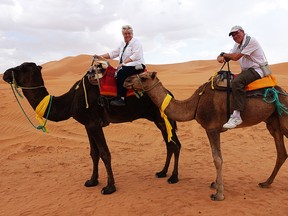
44,174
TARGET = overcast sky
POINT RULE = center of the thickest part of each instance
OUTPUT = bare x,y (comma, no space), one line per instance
171,31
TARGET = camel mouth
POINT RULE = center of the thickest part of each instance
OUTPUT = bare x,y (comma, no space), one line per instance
7,76
128,83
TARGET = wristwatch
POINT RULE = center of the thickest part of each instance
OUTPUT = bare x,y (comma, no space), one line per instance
222,53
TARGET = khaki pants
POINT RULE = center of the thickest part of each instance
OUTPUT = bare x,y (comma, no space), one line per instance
238,87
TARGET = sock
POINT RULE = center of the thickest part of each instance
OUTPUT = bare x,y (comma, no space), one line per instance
236,113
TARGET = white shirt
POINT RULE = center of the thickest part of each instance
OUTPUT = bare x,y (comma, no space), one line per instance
253,54
133,51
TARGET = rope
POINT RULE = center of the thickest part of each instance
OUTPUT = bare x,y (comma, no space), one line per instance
272,93
212,80
164,116
40,111
85,93
40,127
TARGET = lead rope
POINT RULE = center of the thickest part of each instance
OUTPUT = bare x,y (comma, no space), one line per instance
40,127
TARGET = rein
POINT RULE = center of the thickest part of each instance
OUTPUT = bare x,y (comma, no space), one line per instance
15,88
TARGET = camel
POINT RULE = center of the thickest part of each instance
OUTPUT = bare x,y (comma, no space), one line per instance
28,77
208,108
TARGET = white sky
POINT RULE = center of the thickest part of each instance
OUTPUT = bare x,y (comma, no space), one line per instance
171,31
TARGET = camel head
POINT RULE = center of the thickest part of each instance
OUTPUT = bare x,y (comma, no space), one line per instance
141,81
27,74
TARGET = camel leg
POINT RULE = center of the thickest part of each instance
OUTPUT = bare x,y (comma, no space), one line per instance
94,153
274,128
97,135
214,139
173,147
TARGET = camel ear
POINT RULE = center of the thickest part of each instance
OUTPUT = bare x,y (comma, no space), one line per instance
153,74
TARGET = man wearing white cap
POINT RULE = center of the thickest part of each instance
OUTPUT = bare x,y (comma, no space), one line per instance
248,52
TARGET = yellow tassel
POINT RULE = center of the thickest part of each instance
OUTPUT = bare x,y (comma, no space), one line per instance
164,116
40,110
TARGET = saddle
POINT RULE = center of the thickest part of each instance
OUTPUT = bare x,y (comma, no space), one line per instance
103,72
222,81
219,81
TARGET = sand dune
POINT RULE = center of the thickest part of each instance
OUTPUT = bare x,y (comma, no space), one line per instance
44,174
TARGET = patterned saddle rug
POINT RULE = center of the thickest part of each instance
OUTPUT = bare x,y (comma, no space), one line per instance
106,75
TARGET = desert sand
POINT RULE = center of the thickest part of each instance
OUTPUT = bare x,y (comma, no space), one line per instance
44,173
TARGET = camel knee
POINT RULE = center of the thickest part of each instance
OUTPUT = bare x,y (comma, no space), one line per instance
217,162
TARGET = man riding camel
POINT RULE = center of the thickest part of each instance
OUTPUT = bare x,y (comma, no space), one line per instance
248,52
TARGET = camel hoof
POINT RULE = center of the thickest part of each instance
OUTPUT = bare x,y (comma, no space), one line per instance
173,179
263,185
213,185
161,174
108,190
216,197
90,183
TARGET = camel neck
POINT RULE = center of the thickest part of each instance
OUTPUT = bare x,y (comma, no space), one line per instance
176,110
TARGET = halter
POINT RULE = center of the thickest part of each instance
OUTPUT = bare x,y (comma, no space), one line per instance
142,87
16,86
22,87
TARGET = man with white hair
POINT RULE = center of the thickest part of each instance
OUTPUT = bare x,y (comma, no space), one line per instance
248,52
131,62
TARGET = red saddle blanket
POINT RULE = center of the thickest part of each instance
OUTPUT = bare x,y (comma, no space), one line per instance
108,85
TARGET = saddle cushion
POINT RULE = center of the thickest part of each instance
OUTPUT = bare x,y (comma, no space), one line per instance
108,85
265,82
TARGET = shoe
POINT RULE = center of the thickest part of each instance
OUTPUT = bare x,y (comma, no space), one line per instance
232,122
117,102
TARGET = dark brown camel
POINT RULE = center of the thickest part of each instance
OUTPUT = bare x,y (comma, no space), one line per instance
72,104
209,110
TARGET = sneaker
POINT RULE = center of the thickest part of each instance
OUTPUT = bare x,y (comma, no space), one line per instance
232,122
117,102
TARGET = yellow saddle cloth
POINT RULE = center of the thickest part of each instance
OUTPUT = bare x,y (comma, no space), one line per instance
265,82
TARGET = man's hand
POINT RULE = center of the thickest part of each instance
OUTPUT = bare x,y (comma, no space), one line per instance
119,66
221,59
96,56
103,57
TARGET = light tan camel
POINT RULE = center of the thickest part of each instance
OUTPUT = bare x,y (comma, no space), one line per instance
209,110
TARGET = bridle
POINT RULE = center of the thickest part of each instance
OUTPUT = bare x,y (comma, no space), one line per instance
16,86
142,87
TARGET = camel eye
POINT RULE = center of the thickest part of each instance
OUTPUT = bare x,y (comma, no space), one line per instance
143,78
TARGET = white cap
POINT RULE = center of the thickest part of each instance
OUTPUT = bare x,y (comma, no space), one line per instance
234,29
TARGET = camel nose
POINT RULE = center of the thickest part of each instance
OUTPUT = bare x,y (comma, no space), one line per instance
127,83
7,77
